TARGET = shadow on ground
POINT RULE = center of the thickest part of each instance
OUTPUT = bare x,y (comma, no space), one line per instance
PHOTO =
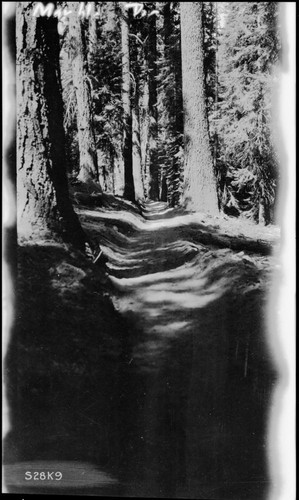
166,393
63,374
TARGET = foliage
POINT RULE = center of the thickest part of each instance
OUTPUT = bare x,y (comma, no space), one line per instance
105,73
249,50
240,55
170,102
210,48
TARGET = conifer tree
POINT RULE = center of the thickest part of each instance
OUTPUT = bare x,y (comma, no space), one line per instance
199,191
249,51
44,209
170,112
86,139
129,191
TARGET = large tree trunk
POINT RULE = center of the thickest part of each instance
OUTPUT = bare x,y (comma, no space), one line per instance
129,191
92,36
170,121
152,105
136,150
44,209
199,190
87,147
144,135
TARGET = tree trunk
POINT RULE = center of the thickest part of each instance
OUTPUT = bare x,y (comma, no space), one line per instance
87,147
153,115
129,191
161,100
144,135
92,36
170,118
137,169
44,209
199,190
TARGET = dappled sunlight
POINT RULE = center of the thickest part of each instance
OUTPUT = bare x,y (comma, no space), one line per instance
229,226
162,276
197,229
117,216
191,289
184,299
171,328
120,255
178,356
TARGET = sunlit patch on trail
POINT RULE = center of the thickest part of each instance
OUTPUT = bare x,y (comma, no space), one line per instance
229,227
171,329
184,299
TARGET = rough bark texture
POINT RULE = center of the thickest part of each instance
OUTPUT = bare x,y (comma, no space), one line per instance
144,134
92,35
153,115
129,192
199,191
43,206
136,151
88,158
170,116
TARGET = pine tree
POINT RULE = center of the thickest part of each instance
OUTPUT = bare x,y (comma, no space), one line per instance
151,55
129,191
249,51
86,139
44,209
106,76
199,192
143,50
137,63
209,22
170,113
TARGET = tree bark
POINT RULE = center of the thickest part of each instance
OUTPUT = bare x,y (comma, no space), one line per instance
129,191
199,190
144,135
170,118
44,209
137,168
92,36
87,147
152,105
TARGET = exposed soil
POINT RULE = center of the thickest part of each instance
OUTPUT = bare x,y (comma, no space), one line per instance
147,372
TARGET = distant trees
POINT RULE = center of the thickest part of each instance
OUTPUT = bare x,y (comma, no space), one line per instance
248,54
170,104
199,191
151,58
173,101
86,139
129,191
44,209
106,77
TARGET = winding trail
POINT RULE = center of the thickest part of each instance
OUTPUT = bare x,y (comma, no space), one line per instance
166,392
197,375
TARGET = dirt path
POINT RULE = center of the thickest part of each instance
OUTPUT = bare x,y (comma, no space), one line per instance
163,392
197,373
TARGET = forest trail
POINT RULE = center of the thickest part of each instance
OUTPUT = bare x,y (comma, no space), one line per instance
197,374
151,375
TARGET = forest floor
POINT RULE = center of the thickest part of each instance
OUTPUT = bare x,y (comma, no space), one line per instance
146,371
